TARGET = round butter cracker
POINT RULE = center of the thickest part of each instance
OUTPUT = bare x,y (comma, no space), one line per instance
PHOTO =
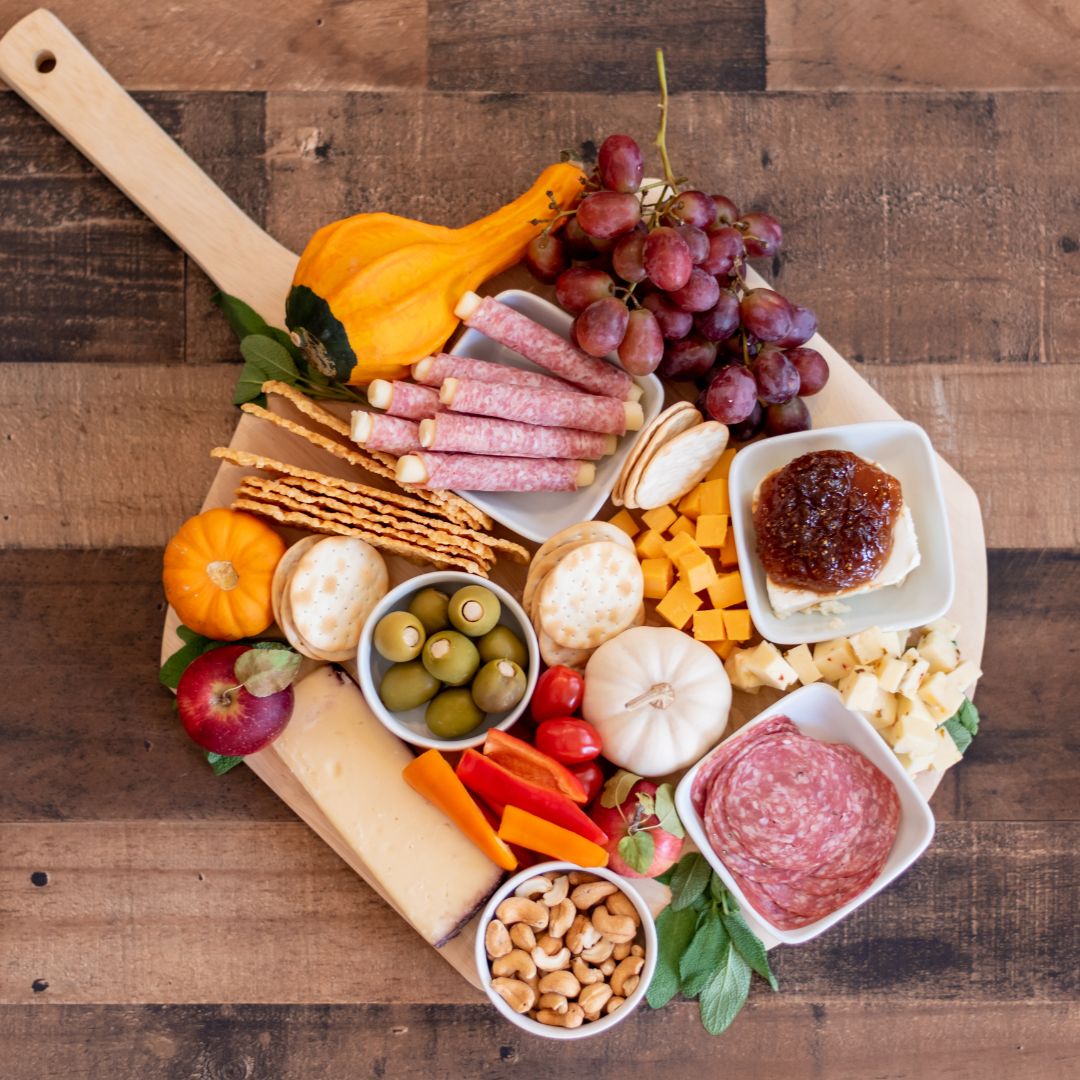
680,464
673,422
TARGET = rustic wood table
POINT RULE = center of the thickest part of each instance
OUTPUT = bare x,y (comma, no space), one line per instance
158,921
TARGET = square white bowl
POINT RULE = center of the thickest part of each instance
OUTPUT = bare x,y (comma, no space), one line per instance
817,711
538,515
900,448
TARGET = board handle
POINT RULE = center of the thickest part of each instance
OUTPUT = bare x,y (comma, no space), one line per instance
43,61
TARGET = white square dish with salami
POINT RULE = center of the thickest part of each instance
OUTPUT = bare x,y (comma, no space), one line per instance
817,713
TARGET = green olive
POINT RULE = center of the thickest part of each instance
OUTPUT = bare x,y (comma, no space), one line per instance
399,636
450,657
429,606
499,685
502,643
453,714
405,686
474,610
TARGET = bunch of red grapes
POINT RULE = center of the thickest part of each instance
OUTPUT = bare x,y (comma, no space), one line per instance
662,285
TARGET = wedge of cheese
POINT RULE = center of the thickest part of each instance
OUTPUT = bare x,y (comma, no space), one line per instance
350,766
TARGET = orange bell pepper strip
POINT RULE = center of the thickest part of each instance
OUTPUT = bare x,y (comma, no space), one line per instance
524,760
527,830
430,775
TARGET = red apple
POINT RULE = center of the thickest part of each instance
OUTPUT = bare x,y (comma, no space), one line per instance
629,818
219,714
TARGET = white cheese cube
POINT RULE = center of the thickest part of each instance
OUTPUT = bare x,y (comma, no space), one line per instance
859,690
915,729
944,626
770,668
917,668
742,678
946,755
915,763
802,661
883,714
939,651
889,670
868,645
966,674
834,659
940,696
893,641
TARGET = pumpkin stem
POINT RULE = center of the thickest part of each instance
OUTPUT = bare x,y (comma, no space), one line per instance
223,574
660,695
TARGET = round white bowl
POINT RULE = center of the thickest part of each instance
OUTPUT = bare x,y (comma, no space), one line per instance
371,667
594,1027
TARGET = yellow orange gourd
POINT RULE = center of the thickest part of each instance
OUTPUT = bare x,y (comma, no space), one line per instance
218,571
374,293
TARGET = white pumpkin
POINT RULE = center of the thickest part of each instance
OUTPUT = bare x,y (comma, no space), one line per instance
659,699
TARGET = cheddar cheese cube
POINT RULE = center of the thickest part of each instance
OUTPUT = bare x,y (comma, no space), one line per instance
679,546
682,525
678,605
649,545
723,649
714,497
697,570
709,626
727,590
723,465
728,555
624,520
659,576
690,504
659,519
737,623
803,663
711,530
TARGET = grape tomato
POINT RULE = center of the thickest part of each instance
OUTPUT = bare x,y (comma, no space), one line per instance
568,740
558,692
592,779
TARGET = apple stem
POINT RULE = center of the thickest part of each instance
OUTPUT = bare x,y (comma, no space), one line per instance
225,697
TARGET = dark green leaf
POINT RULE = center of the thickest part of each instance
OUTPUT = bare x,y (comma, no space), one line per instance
725,994
718,890
968,715
617,789
960,734
249,386
221,763
666,876
963,725
749,946
689,880
665,810
245,321
674,931
174,667
704,955
270,357
267,671
636,850
187,635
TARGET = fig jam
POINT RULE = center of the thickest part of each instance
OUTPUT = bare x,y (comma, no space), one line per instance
825,521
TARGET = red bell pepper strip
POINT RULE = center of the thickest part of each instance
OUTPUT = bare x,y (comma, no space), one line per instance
494,784
524,760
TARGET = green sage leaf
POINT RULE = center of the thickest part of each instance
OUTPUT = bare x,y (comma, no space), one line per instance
704,955
749,945
222,763
674,932
689,881
245,321
270,357
249,386
267,671
724,995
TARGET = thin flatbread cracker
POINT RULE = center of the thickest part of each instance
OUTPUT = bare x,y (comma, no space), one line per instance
307,406
680,464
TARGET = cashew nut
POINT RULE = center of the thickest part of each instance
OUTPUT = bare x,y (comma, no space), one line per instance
637,950
555,1002
594,998
517,909
497,939
592,892
617,928
558,960
557,893
523,936
562,917
516,962
550,945
581,935
628,969
580,877
599,952
560,982
620,952
572,1018
618,903
518,995
535,886
614,1003
584,974
608,966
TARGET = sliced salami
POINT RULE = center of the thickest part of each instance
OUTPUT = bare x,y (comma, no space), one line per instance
726,752
435,370
477,472
459,433
406,399
545,348
380,431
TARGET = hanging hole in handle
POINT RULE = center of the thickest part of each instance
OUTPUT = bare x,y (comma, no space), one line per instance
44,62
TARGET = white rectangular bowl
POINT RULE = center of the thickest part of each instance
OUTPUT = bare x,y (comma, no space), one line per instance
537,515
818,712
900,448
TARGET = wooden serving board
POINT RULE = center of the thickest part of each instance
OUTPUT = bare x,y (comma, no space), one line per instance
86,105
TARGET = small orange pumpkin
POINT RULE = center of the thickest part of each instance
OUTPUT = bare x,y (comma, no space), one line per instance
218,571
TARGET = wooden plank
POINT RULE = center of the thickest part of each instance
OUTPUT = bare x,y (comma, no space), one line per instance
959,45
102,415
774,1039
506,48
269,45
198,912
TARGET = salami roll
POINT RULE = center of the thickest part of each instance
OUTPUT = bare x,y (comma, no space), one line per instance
450,432
380,431
477,472
545,348
434,370
544,408
405,399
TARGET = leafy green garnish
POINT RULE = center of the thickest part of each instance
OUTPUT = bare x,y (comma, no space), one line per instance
638,846
636,849
963,725
706,949
222,763
194,645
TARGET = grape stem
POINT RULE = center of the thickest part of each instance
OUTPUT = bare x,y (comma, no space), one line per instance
661,134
